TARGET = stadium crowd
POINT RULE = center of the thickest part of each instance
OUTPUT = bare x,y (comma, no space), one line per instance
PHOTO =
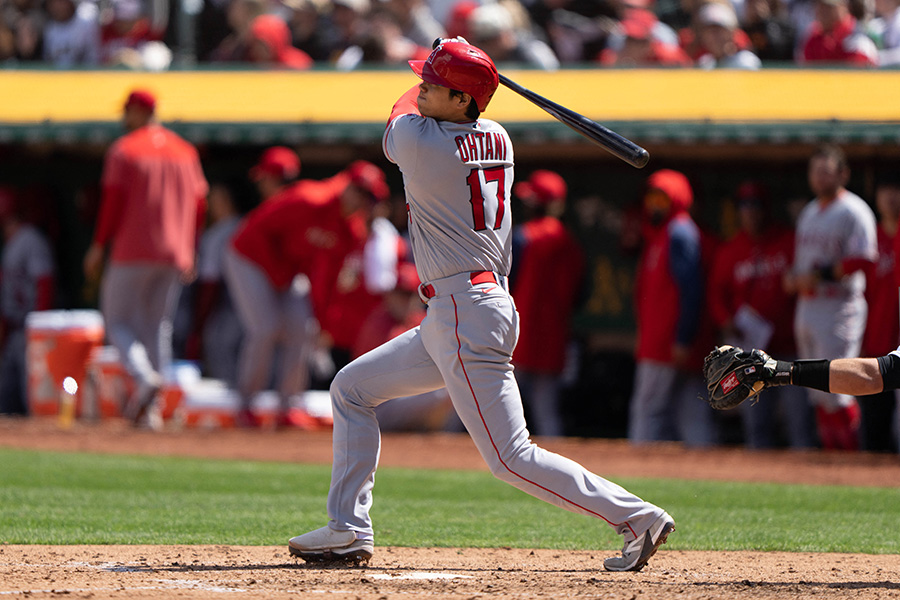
543,34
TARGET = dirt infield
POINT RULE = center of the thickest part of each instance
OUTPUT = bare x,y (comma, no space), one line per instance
268,572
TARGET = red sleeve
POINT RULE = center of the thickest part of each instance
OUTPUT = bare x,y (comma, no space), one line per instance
851,265
201,216
719,296
406,105
112,205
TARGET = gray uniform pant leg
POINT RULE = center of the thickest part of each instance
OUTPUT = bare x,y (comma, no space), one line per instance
269,318
398,368
471,337
138,303
829,328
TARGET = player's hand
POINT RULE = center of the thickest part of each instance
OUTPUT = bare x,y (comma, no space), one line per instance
93,262
438,41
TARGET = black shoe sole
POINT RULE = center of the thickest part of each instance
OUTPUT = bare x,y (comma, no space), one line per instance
355,557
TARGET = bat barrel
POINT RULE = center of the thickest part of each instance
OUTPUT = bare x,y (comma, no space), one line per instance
613,142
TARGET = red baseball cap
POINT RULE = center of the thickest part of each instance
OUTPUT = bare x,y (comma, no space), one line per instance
542,188
279,161
369,177
142,98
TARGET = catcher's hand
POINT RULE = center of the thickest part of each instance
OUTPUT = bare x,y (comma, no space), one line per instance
734,375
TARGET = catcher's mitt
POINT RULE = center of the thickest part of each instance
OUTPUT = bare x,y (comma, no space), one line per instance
734,375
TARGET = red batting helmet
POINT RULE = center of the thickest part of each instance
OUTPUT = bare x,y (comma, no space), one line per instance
462,67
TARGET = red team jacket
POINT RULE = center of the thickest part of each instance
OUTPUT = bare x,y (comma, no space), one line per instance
749,271
300,230
838,45
547,280
883,322
154,198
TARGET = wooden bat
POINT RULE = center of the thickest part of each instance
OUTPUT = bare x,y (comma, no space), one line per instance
609,140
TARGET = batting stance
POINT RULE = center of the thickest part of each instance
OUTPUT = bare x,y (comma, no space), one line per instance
458,171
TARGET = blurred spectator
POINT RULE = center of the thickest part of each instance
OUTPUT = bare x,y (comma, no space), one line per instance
307,25
240,15
576,30
548,272
751,310
211,27
883,321
771,33
889,13
369,270
131,37
21,30
382,43
458,18
416,21
690,37
154,199
642,41
835,38
347,25
281,267
835,244
215,339
27,276
666,403
491,28
270,45
717,25
71,34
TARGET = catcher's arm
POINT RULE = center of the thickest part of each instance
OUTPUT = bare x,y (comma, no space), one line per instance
734,375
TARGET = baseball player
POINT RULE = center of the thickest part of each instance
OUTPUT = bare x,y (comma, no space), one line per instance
280,267
153,204
835,242
458,173
27,283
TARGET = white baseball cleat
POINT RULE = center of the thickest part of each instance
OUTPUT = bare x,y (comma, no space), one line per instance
638,551
328,545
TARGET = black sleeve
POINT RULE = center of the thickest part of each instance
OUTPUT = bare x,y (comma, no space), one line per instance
890,371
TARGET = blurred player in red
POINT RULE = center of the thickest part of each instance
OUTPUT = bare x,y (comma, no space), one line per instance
281,269
548,266
883,323
153,205
669,296
751,309
369,271
27,281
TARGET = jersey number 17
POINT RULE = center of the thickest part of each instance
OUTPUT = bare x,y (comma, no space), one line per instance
480,194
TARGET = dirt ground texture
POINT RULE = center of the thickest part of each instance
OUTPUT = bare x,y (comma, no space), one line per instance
156,572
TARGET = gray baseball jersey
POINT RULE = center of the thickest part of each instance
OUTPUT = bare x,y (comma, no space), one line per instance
26,258
846,228
458,179
456,223
830,322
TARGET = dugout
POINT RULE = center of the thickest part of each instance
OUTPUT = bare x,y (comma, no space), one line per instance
718,127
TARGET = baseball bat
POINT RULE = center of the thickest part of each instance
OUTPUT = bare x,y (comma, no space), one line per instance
609,140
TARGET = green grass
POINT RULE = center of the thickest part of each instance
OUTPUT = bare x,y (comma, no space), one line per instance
76,498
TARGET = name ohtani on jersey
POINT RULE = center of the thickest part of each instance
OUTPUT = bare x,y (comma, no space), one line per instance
481,146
